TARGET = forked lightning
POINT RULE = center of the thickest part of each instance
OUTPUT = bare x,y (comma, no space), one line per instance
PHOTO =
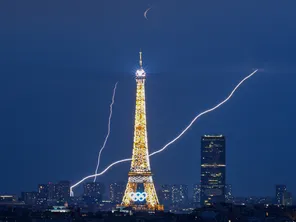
172,141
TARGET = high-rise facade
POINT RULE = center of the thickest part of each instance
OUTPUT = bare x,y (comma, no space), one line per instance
116,192
140,193
93,191
196,194
228,193
282,196
62,191
53,193
179,194
280,191
213,169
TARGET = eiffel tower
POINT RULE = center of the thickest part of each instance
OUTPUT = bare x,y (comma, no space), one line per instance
140,192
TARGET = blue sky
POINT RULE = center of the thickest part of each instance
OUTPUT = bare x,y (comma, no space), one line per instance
60,60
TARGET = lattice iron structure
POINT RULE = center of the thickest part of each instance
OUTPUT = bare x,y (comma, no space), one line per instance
140,176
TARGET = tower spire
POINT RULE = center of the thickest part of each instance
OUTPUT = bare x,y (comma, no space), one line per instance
141,62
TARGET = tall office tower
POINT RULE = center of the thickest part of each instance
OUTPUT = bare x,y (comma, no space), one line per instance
196,194
213,164
62,191
94,191
228,193
166,195
140,193
280,191
179,194
116,192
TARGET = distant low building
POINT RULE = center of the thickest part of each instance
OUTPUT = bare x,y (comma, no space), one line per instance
165,195
29,198
8,198
288,200
228,193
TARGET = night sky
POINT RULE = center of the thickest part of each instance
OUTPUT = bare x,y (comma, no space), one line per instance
59,61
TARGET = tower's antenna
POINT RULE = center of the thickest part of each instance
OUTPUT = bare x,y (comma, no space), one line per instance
141,63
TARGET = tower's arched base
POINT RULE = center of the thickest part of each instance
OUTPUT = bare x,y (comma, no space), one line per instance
144,187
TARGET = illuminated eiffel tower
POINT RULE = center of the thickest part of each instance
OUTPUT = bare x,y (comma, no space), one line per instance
140,192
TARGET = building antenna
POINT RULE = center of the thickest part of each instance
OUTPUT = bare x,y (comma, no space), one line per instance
141,62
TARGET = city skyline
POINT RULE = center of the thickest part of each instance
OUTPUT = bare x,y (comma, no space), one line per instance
57,83
174,196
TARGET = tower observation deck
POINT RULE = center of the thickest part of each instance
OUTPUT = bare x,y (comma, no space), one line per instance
140,192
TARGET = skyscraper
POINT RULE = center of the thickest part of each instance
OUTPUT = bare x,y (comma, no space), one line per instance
179,194
116,192
280,191
196,194
213,164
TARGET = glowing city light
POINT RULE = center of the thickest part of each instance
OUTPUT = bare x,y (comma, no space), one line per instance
109,129
140,73
175,139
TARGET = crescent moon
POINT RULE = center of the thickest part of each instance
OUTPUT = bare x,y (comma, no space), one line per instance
145,13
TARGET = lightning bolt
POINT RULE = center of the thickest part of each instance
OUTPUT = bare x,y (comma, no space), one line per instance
109,129
203,113
175,139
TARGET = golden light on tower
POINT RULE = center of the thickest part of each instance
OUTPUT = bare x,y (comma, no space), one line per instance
140,193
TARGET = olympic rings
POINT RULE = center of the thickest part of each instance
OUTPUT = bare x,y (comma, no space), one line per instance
138,196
